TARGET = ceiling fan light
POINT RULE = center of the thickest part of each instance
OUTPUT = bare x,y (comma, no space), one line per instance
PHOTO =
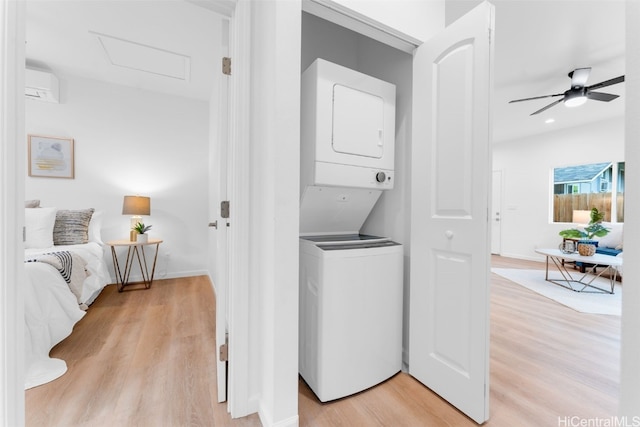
575,101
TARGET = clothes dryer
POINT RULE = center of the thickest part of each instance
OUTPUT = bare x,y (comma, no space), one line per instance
347,128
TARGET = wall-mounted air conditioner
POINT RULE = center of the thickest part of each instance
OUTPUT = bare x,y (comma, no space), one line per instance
41,85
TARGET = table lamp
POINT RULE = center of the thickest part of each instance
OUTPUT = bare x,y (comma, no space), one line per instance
581,217
136,206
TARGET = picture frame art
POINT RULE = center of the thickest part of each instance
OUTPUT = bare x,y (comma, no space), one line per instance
50,157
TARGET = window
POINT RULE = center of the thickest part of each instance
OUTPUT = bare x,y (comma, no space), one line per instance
582,187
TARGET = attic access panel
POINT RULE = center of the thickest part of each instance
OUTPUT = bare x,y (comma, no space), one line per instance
358,122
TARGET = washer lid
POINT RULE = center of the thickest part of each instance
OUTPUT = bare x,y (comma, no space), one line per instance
343,238
335,210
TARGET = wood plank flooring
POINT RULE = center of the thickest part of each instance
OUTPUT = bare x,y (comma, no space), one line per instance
146,358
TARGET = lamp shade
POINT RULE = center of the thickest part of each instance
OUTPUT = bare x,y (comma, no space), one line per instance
582,217
136,205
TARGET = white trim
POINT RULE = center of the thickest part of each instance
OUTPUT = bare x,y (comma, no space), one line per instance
12,172
630,339
223,7
240,402
333,12
265,419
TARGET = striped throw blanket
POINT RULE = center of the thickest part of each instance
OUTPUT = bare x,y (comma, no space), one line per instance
72,268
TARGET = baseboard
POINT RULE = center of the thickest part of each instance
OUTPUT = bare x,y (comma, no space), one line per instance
523,257
179,274
173,275
266,420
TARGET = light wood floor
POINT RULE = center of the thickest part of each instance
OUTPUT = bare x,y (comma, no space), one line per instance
146,358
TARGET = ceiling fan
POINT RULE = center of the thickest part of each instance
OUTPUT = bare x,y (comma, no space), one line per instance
579,93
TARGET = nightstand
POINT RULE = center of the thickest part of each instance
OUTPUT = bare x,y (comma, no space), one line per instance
135,250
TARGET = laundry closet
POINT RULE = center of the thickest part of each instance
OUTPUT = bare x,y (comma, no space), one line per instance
430,208
353,219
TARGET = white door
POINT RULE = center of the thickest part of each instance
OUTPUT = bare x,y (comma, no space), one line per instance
218,239
496,212
451,187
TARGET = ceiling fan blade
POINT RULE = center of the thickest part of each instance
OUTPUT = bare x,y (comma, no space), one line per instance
579,77
606,83
548,106
536,97
600,96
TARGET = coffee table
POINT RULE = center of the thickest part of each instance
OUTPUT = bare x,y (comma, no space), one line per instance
582,282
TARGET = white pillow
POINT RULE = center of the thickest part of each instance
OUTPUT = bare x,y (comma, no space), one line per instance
614,238
38,224
94,227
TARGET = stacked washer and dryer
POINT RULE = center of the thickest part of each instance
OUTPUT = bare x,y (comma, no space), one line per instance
350,283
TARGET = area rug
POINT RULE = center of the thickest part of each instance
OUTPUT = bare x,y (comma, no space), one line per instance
595,303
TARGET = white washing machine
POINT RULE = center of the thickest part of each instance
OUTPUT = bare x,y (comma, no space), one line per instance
350,313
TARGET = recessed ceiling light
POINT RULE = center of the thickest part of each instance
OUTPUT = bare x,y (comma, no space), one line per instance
550,121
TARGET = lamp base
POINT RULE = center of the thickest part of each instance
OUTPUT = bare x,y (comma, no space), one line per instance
135,220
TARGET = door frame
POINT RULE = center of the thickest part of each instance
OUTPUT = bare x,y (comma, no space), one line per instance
12,179
239,400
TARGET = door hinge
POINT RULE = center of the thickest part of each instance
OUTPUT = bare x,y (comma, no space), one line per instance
224,349
224,209
226,66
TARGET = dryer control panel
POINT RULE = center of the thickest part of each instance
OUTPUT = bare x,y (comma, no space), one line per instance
338,175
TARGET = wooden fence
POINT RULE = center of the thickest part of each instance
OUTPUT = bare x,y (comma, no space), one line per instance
565,204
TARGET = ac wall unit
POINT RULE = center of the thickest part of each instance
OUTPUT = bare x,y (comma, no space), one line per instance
41,86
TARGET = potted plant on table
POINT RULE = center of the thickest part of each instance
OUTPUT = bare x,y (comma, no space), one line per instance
586,244
141,231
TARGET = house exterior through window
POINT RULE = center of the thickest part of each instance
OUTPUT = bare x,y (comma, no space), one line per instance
583,187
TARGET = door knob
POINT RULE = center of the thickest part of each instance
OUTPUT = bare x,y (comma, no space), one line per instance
214,224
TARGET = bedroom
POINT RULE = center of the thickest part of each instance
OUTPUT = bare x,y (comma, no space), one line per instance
129,137
117,202
135,130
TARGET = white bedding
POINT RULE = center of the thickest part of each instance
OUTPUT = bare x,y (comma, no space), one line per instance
51,309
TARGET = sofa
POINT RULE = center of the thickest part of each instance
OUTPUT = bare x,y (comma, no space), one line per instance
611,244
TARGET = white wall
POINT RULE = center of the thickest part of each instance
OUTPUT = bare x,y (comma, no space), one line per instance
129,141
630,350
274,199
527,167
12,39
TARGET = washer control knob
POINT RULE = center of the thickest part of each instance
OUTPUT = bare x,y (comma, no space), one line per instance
381,177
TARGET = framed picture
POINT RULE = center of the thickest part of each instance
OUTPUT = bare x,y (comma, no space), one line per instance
50,156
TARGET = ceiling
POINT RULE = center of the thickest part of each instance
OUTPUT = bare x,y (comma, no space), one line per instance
537,43
164,46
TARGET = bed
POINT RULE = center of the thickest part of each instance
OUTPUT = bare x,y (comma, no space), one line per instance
65,271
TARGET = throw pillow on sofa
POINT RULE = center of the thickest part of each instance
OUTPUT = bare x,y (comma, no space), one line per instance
614,238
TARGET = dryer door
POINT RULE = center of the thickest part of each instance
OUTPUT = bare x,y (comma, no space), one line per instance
358,122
